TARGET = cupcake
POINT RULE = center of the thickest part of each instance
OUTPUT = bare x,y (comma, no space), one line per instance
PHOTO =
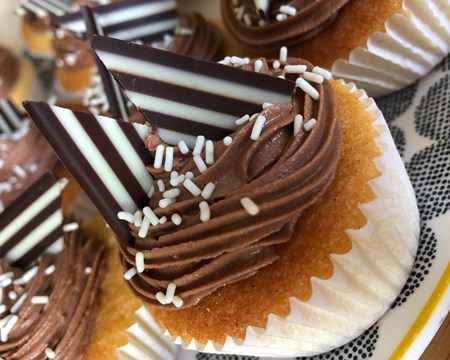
394,44
24,154
232,243
36,30
18,80
53,274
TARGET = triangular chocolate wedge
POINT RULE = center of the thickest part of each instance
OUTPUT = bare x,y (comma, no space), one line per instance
11,119
185,97
144,20
32,224
107,157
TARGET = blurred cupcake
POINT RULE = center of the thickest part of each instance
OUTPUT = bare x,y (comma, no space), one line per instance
18,80
394,44
36,30
232,242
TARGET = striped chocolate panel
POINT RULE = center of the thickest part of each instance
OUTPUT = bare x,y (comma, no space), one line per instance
11,119
42,8
145,20
32,223
185,97
107,157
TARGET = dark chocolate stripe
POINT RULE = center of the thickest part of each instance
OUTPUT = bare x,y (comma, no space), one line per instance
194,66
112,156
134,23
186,126
136,141
40,217
27,198
188,96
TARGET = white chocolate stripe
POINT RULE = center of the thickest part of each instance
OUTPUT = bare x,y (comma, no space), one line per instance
187,79
31,211
122,15
35,237
96,159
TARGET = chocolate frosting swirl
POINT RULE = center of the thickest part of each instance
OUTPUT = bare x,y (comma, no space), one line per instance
63,324
27,150
263,31
282,172
9,71
71,51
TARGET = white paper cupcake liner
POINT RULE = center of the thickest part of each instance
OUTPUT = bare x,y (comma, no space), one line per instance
365,281
411,46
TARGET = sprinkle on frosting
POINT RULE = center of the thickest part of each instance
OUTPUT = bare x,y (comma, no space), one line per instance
249,206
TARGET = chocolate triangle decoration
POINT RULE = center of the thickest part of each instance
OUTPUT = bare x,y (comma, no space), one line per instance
43,8
32,224
186,97
132,20
11,119
107,157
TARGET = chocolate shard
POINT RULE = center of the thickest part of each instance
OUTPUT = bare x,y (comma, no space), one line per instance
32,224
107,157
43,8
11,119
184,97
132,20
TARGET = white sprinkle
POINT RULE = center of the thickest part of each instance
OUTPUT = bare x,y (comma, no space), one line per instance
87,270
242,120
262,22
26,277
174,174
208,190
249,206
227,140
266,105
257,127
151,191
161,186
281,17
295,69
12,295
320,71
143,230
169,159
283,53
71,227
316,78
201,166
50,353
163,220
163,203
191,187
276,64
172,193
123,215
236,60
253,117
139,259
178,180
224,62
288,10
258,65
247,20
50,270
18,304
177,301
298,121
19,171
137,218
184,31
2,308
205,213
161,297
176,219
307,88
130,273
6,275
159,155
150,215
309,124
4,332
39,300
198,147
170,292
183,147
209,152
